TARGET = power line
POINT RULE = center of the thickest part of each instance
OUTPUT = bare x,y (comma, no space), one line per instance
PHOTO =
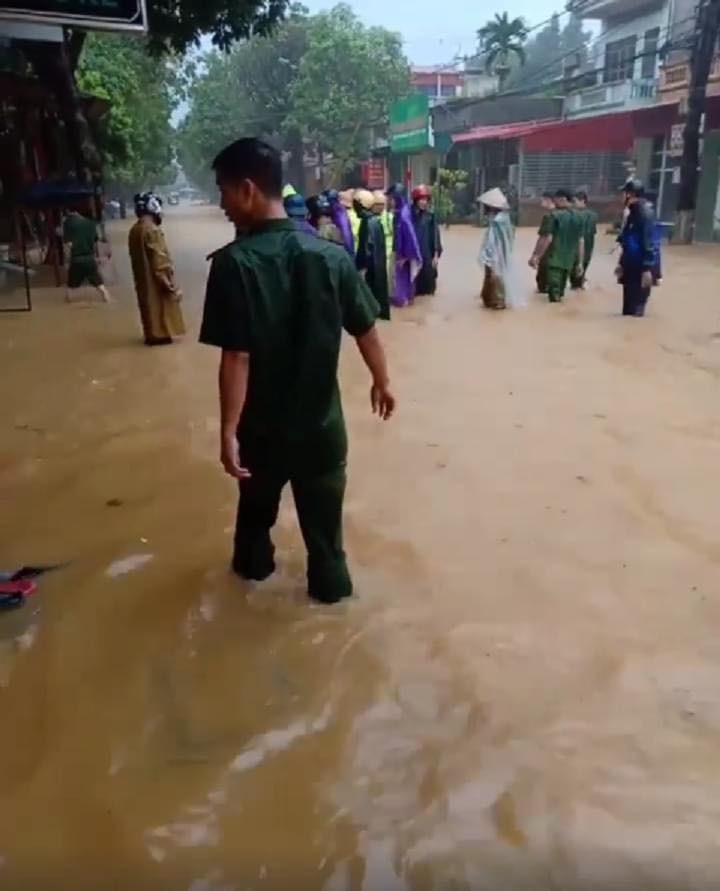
532,80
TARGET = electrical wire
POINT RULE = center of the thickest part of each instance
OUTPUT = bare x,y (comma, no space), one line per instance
533,83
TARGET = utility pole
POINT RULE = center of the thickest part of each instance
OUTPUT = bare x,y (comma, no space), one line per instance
707,29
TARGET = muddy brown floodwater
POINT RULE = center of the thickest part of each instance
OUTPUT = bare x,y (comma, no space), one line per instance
524,695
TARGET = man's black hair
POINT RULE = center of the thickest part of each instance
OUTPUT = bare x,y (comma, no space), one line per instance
547,195
563,193
582,196
252,159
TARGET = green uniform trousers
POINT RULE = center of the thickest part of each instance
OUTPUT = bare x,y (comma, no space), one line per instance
557,279
318,492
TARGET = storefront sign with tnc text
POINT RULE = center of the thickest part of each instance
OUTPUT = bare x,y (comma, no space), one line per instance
676,140
103,15
410,124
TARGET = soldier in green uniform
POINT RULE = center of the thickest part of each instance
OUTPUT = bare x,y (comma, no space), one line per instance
277,302
547,203
562,248
80,237
589,219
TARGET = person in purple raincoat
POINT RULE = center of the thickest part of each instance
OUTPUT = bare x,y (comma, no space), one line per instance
339,216
408,258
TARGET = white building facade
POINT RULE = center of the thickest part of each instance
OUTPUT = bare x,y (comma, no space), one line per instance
624,63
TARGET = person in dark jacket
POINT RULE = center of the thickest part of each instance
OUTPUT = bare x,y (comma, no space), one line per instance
427,233
297,211
637,260
371,256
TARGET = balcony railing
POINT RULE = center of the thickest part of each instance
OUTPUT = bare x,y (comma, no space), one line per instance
677,77
627,92
603,9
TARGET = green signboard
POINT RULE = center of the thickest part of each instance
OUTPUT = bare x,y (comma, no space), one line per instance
105,15
410,124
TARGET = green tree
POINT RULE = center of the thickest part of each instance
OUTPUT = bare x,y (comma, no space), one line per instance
501,39
174,25
135,139
347,80
449,185
324,79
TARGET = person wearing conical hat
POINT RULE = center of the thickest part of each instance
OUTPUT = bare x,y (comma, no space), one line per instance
371,258
496,250
288,190
427,232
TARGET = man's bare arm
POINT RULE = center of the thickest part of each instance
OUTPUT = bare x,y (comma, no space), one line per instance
233,381
543,243
371,349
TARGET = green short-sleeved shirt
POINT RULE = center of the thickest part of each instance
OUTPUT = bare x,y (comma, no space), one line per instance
285,297
546,224
81,233
589,220
567,229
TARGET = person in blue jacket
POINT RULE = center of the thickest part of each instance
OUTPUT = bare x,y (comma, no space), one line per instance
637,260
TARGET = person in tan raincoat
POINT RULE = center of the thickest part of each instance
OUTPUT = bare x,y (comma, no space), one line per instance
157,294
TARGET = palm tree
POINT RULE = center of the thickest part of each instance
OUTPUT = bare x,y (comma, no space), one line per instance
500,38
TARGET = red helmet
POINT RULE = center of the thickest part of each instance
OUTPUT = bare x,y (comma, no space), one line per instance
421,192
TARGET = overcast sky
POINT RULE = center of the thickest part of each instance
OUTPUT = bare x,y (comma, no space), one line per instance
435,31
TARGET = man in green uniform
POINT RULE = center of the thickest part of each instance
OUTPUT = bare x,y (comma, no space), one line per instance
589,220
562,247
80,240
547,202
277,302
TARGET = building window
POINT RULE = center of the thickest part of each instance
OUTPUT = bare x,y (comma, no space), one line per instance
649,56
427,90
447,90
620,60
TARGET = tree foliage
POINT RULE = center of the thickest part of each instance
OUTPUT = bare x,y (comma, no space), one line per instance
346,82
549,49
501,39
175,25
135,138
324,79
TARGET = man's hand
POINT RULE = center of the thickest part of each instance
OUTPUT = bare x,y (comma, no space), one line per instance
533,262
647,280
435,261
382,401
230,457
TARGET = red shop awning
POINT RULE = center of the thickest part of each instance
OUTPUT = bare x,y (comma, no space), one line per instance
600,133
499,131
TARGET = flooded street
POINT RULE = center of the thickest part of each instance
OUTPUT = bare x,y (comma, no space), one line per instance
525,694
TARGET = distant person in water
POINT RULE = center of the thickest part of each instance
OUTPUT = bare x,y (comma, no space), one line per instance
427,233
638,259
339,216
296,209
157,294
547,203
406,250
589,219
80,238
319,216
496,251
371,258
